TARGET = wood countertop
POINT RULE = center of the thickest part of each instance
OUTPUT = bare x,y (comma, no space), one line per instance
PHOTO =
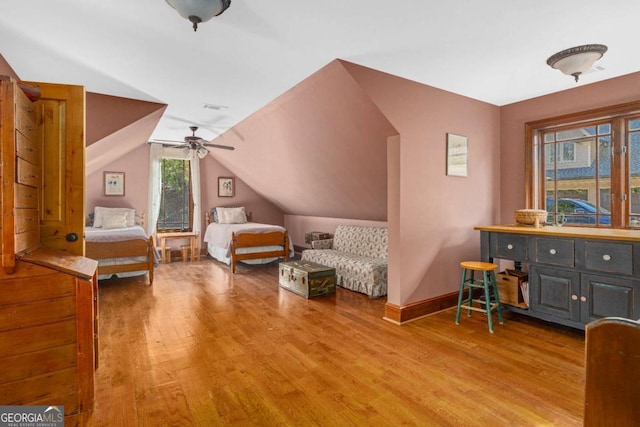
565,231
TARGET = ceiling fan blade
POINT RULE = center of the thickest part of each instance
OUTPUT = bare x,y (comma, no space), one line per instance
168,140
224,147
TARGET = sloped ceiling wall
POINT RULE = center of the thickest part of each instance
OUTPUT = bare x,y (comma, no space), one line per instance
320,149
116,126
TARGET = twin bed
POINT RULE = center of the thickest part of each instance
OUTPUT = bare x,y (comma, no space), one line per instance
231,238
122,247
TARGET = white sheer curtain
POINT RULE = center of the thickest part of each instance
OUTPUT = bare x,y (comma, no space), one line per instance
159,152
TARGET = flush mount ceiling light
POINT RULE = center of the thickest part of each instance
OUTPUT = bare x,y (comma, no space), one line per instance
577,60
198,11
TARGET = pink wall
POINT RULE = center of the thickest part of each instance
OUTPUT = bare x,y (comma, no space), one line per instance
136,167
436,213
514,116
317,150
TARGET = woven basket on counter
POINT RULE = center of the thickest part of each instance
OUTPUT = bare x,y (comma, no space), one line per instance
535,217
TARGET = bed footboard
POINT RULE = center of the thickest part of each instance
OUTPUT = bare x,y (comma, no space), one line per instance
253,240
124,249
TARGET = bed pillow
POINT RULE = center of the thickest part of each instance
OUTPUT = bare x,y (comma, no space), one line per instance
98,215
114,219
231,215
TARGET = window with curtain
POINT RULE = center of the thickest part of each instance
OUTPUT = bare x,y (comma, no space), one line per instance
176,199
584,168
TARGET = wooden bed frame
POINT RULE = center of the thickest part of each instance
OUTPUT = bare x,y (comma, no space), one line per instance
252,240
127,248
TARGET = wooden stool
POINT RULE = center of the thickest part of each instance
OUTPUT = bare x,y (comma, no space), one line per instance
167,253
167,250
488,283
196,249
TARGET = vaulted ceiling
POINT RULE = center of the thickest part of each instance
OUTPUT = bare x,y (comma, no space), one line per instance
258,51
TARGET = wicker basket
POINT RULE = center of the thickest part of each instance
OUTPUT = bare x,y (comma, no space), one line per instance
535,217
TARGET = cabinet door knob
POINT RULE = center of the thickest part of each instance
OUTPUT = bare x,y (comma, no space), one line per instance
606,257
509,246
574,297
552,251
583,299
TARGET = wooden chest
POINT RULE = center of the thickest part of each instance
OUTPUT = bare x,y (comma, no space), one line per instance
307,278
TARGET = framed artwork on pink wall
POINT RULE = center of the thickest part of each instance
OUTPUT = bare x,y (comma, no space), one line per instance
457,155
226,186
114,183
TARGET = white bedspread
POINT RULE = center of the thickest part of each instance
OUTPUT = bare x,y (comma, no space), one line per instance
113,234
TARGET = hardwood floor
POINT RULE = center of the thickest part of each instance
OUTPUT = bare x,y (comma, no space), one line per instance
204,347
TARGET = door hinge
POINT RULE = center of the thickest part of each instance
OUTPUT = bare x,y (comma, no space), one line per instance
623,197
624,149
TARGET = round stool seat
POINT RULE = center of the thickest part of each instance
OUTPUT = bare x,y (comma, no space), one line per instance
478,265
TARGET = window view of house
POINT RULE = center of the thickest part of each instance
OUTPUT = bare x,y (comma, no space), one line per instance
578,175
589,173
633,136
176,201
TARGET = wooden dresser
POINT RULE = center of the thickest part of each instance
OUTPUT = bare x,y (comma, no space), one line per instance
48,292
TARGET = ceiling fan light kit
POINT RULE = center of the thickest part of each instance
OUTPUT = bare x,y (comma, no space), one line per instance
198,11
576,60
192,142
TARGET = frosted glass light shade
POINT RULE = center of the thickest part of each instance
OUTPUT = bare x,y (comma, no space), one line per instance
577,60
198,11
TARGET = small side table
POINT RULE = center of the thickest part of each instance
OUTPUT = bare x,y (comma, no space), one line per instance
162,240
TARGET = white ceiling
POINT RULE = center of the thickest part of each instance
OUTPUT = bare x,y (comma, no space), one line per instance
494,50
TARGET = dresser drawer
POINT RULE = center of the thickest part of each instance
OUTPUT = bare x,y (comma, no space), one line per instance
25,117
26,220
510,246
27,174
559,252
26,197
28,240
609,257
27,149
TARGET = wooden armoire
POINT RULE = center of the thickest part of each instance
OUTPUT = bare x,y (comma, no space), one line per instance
48,289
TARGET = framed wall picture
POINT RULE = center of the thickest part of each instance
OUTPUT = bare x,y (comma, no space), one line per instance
456,155
226,186
114,183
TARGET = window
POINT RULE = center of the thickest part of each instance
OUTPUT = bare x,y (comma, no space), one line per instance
584,168
176,202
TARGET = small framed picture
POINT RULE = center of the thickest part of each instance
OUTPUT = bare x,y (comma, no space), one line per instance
226,186
456,155
114,183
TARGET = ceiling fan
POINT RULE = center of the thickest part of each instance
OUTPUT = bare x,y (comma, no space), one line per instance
192,142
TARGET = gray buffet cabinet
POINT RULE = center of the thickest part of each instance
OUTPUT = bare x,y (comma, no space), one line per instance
576,274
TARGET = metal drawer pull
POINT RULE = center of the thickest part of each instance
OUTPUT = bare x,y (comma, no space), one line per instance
552,251
606,257
509,246
574,297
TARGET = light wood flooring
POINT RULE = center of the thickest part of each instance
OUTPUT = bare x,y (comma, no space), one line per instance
204,347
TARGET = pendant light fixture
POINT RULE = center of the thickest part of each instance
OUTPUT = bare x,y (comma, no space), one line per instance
198,11
577,60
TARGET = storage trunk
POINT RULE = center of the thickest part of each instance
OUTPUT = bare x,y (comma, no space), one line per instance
307,278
